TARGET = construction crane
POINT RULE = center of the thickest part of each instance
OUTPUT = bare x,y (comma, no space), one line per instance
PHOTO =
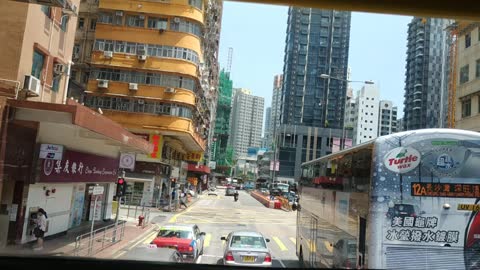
229,61
452,84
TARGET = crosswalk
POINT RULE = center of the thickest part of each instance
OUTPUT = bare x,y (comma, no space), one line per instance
279,243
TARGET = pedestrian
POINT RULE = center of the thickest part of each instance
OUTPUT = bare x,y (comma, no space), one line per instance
183,200
40,228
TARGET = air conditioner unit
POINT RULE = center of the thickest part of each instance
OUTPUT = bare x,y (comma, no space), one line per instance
141,17
170,90
32,85
176,20
141,101
59,69
142,57
119,13
108,54
133,86
102,84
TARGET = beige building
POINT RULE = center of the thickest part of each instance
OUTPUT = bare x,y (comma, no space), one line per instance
467,109
37,41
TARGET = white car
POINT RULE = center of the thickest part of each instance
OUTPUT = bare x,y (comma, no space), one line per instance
246,248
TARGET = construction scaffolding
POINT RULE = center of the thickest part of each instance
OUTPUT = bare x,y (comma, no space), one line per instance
452,84
223,154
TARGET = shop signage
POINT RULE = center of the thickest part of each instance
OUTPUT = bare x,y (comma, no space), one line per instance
212,165
156,140
127,161
194,156
51,151
445,190
79,167
98,190
402,159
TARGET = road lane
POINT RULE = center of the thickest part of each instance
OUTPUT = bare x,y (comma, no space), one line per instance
217,216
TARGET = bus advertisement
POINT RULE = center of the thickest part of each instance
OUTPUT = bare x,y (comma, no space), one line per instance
404,201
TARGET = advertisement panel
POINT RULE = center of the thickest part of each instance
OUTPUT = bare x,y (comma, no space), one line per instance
427,190
79,167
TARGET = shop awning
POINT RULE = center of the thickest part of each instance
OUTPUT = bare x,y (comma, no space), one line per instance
78,127
198,168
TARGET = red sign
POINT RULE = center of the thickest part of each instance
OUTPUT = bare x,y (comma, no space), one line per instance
79,167
156,140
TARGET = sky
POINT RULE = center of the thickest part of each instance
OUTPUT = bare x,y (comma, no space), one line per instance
257,35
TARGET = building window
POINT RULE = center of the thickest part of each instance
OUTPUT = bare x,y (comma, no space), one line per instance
464,74
196,3
56,82
157,23
466,107
46,10
105,17
93,24
477,70
468,40
182,25
135,21
76,51
64,24
81,23
37,65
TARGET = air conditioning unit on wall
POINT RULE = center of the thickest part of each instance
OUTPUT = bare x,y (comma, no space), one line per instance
103,84
133,86
32,85
170,90
108,54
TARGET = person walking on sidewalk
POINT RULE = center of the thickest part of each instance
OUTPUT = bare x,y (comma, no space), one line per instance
183,199
41,227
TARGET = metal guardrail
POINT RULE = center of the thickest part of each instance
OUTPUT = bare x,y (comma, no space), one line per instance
93,242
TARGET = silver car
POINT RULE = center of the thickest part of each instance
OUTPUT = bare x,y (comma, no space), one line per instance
246,248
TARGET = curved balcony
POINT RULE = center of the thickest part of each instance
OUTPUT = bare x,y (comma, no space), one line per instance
144,91
155,64
174,8
181,128
149,36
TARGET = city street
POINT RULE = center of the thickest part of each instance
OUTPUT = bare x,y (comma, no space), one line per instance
219,215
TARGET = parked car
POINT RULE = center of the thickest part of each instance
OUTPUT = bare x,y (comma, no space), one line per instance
246,248
153,253
229,191
185,238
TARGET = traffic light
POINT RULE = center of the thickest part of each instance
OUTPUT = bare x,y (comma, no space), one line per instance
121,187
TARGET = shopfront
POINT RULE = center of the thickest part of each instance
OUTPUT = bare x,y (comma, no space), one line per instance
147,183
198,177
64,190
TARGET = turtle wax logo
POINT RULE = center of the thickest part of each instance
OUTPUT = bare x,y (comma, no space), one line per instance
402,159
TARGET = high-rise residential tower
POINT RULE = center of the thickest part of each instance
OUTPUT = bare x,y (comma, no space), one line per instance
317,44
276,108
247,120
267,128
426,81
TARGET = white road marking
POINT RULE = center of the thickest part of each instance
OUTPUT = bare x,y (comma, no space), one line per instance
280,261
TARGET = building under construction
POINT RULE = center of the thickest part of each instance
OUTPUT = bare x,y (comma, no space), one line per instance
223,154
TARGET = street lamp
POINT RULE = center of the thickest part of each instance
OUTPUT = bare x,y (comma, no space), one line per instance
326,76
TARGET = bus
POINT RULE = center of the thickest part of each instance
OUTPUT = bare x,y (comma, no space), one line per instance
409,200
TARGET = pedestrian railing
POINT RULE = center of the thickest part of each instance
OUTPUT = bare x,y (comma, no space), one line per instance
90,243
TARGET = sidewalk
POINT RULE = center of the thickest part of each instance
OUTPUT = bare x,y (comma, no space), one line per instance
64,245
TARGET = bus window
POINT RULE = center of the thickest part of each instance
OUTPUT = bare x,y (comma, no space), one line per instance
361,170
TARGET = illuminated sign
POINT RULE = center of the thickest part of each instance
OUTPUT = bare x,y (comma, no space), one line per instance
402,159
446,190
156,140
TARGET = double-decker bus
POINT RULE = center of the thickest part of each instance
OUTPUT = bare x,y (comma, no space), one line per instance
409,200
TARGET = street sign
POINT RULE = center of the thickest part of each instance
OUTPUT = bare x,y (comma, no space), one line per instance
97,190
51,151
127,161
